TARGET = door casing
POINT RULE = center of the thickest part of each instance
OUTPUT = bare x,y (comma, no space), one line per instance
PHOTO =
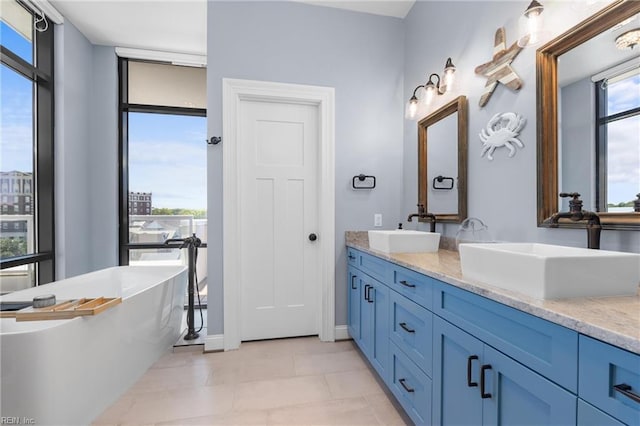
235,91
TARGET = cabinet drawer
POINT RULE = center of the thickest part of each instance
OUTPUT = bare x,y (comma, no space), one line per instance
588,415
602,368
415,286
547,348
374,266
412,330
411,387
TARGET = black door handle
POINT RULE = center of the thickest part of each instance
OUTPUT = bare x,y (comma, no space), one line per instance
483,369
369,296
313,237
405,328
353,278
407,388
351,257
625,389
366,292
469,382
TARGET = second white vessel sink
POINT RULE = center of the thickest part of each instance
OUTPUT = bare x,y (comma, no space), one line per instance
546,271
404,241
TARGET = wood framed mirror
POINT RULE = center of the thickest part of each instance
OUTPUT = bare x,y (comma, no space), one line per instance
442,162
554,111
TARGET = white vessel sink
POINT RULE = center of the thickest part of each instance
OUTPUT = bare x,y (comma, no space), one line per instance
546,271
404,241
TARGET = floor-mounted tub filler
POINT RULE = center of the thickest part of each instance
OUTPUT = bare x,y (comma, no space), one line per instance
69,371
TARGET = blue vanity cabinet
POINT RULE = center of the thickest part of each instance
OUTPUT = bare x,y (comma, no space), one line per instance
493,388
374,323
353,320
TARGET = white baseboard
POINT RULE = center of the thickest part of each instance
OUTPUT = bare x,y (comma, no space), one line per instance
342,332
214,342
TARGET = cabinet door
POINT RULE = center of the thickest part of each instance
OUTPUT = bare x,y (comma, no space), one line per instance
380,322
516,395
456,375
353,316
366,314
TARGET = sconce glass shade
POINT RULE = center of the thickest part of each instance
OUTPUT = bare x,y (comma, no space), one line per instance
628,40
447,78
431,88
412,108
530,25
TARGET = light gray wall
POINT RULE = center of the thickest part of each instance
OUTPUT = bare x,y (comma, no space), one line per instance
502,192
73,83
86,154
103,158
360,55
577,141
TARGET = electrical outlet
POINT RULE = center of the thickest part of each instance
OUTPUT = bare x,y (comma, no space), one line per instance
377,220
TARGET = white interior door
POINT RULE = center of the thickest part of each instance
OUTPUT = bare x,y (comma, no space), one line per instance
278,196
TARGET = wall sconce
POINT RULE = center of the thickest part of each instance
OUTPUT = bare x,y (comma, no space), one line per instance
530,25
433,86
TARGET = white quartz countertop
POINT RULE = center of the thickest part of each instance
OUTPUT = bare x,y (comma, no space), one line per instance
615,320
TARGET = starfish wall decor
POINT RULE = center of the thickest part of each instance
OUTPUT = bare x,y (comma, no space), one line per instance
499,70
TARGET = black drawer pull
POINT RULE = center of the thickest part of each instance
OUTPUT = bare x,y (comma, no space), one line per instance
351,257
625,389
406,284
366,292
353,278
407,388
405,328
469,366
484,394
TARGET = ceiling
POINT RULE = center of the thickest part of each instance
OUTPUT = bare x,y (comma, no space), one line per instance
143,24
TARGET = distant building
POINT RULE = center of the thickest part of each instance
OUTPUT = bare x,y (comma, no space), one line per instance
139,203
16,193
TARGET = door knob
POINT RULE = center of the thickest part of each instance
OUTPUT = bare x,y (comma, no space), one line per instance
313,237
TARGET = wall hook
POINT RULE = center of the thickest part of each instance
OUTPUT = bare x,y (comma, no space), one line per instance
215,140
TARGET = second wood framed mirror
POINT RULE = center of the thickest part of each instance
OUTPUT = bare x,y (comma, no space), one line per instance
442,161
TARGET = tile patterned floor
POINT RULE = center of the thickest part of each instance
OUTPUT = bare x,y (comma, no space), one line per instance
298,381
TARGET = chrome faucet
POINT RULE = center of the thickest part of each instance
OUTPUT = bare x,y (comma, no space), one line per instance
423,214
576,214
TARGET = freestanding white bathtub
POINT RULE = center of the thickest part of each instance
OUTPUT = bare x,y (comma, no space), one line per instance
66,372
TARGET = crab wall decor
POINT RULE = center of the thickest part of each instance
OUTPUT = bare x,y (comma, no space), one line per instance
502,130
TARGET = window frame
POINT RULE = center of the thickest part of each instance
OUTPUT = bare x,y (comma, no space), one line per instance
602,119
41,73
124,108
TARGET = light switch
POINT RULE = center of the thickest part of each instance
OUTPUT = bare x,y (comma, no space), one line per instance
377,220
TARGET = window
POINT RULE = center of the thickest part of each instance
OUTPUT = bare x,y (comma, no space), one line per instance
26,148
163,161
618,142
